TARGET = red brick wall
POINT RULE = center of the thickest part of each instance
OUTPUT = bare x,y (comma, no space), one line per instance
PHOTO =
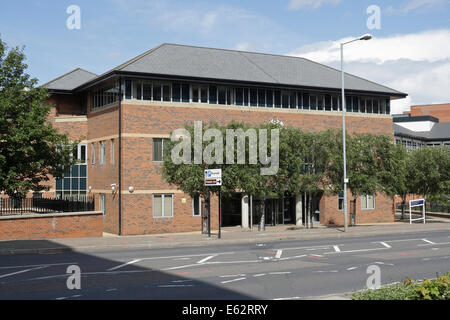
51,227
330,214
440,111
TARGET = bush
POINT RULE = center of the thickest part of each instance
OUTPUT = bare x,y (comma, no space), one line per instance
438,289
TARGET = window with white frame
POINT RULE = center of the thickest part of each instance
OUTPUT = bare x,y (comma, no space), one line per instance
341,201
159,148
93,153
102,198
113,152
102,159
368,202
73,184
197,206
162,206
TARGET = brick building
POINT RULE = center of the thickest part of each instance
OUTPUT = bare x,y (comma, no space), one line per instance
124,116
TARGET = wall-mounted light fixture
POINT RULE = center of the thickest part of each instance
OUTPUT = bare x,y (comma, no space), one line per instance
131,189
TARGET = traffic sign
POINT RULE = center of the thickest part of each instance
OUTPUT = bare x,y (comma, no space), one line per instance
213,178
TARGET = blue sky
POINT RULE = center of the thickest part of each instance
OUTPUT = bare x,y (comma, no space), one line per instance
410,51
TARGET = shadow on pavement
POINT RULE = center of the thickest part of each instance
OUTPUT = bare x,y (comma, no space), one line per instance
43,276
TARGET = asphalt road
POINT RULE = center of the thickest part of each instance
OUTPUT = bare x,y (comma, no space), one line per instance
273,270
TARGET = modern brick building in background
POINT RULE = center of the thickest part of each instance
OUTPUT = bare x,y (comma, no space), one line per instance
124,116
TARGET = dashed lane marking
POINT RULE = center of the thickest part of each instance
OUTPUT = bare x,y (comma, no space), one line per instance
19,272
125,264
279,253
234,280
205,259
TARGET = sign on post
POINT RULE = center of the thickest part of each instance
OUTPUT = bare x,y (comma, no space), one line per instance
213,178
415,204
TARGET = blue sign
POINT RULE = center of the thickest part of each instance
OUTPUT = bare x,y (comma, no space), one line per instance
416,203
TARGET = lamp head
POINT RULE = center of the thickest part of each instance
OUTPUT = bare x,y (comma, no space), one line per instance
366,37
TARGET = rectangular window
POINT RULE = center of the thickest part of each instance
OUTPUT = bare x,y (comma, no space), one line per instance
102,159
166,92
355,104
128,89
162,206
147,91
113,152
388,106
176,92
204,95
368,202
269,98
222,95
73,185
213,94
157,92
376,106
253,97
320,102
137,90
328,103
341,201
93,153
246,97
159,149
185,94
335,102
197,206
261,98
306,101
102,198
293,100
239,92
277,99
348,104
285,100
312,102
369,106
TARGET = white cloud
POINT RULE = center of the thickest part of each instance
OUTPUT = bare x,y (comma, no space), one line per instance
246,46
300,4
413,5
417,64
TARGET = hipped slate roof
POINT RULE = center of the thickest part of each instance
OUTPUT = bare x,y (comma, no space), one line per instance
70,80
172,60
440,131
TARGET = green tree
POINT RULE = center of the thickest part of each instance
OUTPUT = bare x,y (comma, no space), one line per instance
429,171
30,149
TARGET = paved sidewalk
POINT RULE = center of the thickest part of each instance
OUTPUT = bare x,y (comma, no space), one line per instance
229,236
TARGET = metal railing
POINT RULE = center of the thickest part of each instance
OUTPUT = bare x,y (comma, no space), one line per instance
430,207
24,206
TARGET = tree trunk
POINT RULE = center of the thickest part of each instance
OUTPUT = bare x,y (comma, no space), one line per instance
403,207
262,225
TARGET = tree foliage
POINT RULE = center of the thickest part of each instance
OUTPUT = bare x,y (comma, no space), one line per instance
30,149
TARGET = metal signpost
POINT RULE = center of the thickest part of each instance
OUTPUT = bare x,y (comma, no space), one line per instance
414,204
213,178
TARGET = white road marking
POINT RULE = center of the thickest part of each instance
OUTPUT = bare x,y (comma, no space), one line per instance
361,250
40,265
279,273
205,259
189,256
235,280
22,271
352,268
386,245
125,264
428,241
182,281
93,274
295,257
233,276
110,290
279,253
337,249
61,298
176,286
259,275
291,298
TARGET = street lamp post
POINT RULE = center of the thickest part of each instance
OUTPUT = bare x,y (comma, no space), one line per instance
344,107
